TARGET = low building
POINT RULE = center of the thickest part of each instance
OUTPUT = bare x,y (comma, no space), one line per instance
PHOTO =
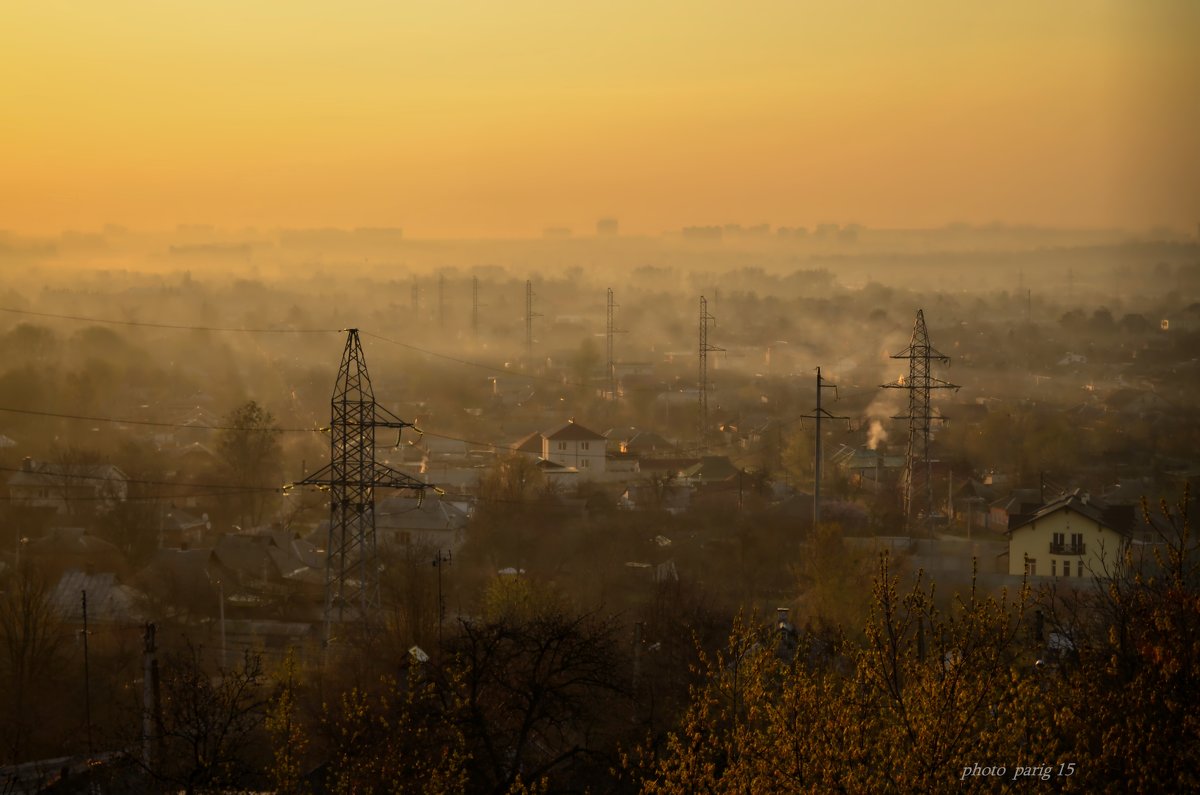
67,486
426,521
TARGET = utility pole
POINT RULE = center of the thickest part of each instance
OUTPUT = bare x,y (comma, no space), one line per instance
918,470
351,478
702,381
221,613
441,300
87,678
818,458
475,307
439,562
150,698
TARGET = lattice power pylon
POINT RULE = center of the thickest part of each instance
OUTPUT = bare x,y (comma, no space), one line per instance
351,478
702,381
610,333
918,480
529,316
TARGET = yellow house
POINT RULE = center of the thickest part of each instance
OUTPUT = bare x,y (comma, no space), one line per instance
1071,537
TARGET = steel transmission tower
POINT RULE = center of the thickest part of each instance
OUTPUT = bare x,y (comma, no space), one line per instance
702,384
611,331
918,480
529,316
351,478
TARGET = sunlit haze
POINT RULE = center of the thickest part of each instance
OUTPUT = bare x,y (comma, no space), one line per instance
486,119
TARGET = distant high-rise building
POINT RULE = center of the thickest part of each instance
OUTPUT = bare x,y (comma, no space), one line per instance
556,232
606,227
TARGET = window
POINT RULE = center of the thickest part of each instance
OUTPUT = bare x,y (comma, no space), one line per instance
1054,568
1080,569
585,463
1077,542
562,445
583,445
1057,540
1031,567
1066,568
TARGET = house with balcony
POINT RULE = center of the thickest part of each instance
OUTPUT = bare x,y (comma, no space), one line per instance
1072,537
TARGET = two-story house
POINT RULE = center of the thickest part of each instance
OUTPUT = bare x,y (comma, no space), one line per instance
573,445
66,487
1072,537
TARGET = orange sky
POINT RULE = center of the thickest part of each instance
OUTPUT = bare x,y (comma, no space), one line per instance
501,118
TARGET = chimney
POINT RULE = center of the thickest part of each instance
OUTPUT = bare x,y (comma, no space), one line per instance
27,464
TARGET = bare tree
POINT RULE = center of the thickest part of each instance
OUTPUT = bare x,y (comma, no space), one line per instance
252,455
538,697
210,723
32,640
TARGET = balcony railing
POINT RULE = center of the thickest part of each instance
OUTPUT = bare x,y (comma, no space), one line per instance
1068,549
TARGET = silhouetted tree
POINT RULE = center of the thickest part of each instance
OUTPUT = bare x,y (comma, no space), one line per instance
251,452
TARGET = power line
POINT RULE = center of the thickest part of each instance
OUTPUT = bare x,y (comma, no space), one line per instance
67,476
417,349
177,327
151,423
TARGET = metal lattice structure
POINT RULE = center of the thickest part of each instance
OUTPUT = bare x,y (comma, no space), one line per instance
529,316
918,474
351,478
702,381
610,333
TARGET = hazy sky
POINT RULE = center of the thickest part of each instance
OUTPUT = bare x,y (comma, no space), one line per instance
499,118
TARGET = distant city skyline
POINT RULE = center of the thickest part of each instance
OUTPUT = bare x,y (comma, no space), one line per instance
504,120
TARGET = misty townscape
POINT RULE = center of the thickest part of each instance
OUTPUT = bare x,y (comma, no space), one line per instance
474,413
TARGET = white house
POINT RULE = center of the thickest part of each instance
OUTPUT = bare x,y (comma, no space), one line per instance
573,445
